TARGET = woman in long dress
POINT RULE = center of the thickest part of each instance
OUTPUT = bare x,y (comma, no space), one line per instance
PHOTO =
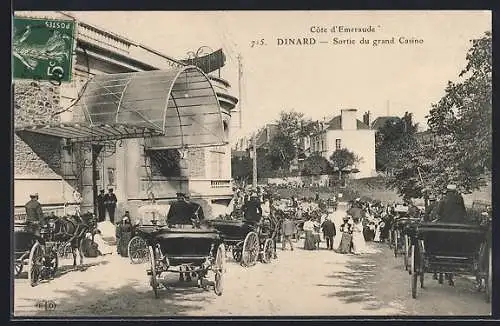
309,243
358,240
378,227
346,241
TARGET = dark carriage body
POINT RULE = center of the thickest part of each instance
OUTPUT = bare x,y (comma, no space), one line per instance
232,231
450,247
183,246
194,251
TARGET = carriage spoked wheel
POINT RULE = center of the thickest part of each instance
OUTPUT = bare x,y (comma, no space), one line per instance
35,264
153,281
219,270
268,251
406,253
137,250
414,272
250,251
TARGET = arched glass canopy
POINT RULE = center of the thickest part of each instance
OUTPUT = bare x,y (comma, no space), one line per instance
175,108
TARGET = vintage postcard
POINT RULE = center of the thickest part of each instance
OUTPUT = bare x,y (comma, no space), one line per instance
252,163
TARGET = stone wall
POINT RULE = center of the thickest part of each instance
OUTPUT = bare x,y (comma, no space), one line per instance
35,154
196,166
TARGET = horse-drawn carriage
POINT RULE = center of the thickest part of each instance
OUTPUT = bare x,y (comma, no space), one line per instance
441,248
150,217
188,249
248,241
41,252
36,251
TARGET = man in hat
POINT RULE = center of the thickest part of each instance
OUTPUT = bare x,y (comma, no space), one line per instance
180,211
328,228
110,204
34,214
451,209
101,208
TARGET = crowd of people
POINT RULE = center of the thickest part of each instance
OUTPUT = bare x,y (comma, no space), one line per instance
364,221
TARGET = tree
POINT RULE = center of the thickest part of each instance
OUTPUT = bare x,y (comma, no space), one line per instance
343,159
290,124
241,168
459,147
390,140
462,120
282,150
316,165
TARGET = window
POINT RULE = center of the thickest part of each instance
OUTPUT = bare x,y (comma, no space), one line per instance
323,145
338,144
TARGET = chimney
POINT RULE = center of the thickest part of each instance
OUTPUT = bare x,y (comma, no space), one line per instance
366,118
348,119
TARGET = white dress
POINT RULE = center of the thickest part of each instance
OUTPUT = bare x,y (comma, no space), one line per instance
377,232
358,240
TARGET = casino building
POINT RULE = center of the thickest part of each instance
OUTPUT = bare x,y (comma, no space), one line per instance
120,123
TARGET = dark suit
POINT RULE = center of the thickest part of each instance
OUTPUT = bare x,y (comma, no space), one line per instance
253,210
110,202
180,212
329,232
451,208
101,208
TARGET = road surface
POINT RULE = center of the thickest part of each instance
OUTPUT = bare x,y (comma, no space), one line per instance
297,283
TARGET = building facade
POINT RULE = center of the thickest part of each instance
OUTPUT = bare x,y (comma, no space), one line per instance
54,167
346,131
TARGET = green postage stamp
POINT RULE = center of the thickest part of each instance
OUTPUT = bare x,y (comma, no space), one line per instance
42,49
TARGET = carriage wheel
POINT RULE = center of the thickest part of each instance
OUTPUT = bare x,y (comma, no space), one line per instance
406,252
153,281
35,264
414,273
250,251
268,252
219,270
137,250
488,283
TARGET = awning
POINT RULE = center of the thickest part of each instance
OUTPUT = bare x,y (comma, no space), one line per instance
171,108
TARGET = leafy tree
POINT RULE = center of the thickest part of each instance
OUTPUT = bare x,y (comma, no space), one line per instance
241,168
342,159
459,148
282,150
316,165
391,139
462,120
290,124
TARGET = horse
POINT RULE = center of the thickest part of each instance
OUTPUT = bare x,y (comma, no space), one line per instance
73,229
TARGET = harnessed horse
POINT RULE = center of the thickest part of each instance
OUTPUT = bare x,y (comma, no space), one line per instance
73,230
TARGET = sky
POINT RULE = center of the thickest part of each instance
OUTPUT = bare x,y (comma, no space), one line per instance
319,79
